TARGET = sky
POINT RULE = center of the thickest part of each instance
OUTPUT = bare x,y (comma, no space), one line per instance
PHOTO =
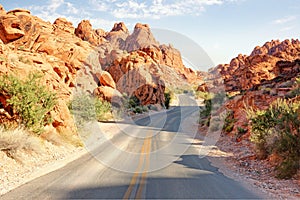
222,28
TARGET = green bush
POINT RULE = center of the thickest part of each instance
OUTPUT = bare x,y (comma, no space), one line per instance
86,108
103,110
133,102
229,122
29,99
281,123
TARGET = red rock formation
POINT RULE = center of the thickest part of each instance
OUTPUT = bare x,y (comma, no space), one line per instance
105,79
141,37
117,36
244,72
65,25
66,57
132,76
10,28
86,33
32,45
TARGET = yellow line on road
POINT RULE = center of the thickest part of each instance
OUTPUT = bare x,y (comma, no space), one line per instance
146,167
136,174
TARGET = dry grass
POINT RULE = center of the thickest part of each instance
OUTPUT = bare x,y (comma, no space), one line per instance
13,141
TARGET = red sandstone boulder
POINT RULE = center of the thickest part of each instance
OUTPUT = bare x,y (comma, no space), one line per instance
105,79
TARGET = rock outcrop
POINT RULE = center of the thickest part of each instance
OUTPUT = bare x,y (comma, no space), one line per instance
257,80
32,45
92,60
105,79
140,38
87,33
117,36
244,72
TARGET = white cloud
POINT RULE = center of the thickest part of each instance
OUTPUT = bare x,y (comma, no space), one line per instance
120,9
285,20
55,4
155,8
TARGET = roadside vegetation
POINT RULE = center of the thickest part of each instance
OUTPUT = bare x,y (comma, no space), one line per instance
87,108
29,100
28,105
277,131
212,102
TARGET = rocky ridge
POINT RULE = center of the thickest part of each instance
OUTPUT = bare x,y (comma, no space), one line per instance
257,80
94,60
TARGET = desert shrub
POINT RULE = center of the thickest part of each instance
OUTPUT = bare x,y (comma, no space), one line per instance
133,102
281,122
212,102
103,110
229,122
29,99
87,108
12,141
140,109
134,105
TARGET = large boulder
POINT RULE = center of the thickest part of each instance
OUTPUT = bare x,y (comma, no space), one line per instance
105,79
10,28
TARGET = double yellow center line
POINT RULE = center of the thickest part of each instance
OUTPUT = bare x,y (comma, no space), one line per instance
144,159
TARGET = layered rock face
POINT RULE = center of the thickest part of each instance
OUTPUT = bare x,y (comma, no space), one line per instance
28,44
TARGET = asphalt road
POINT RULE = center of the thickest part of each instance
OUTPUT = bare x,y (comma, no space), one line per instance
152,158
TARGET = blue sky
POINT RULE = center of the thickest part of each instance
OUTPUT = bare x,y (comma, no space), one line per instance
223,28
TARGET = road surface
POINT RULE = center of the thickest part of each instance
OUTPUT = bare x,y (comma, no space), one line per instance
152,158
